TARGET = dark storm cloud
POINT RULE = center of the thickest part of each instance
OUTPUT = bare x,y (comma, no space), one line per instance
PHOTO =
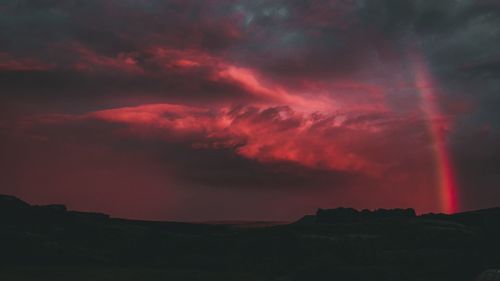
85,46
297,39
114,26
323,38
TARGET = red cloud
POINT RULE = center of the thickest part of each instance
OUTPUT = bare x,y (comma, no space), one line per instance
250,80
267,134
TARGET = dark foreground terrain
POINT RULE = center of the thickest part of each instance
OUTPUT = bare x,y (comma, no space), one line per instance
51,243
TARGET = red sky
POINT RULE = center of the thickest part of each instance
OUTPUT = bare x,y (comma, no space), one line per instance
221,110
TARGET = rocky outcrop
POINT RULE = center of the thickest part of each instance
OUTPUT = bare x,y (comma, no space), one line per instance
489,275
14,210
347,215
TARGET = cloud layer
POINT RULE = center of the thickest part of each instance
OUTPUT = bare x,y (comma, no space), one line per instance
246,109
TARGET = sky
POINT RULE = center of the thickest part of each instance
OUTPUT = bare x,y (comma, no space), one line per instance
250,110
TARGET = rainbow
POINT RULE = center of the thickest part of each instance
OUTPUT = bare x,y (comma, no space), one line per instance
448,191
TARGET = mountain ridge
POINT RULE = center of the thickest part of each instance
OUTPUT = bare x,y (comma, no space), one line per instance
53,243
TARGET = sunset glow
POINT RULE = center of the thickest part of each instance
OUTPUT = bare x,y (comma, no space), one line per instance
199,110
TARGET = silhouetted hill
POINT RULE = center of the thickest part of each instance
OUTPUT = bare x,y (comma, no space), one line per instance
350,215
53,243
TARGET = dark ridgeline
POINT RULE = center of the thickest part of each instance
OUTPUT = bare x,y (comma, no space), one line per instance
489,275
16,211
53,243
349,215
